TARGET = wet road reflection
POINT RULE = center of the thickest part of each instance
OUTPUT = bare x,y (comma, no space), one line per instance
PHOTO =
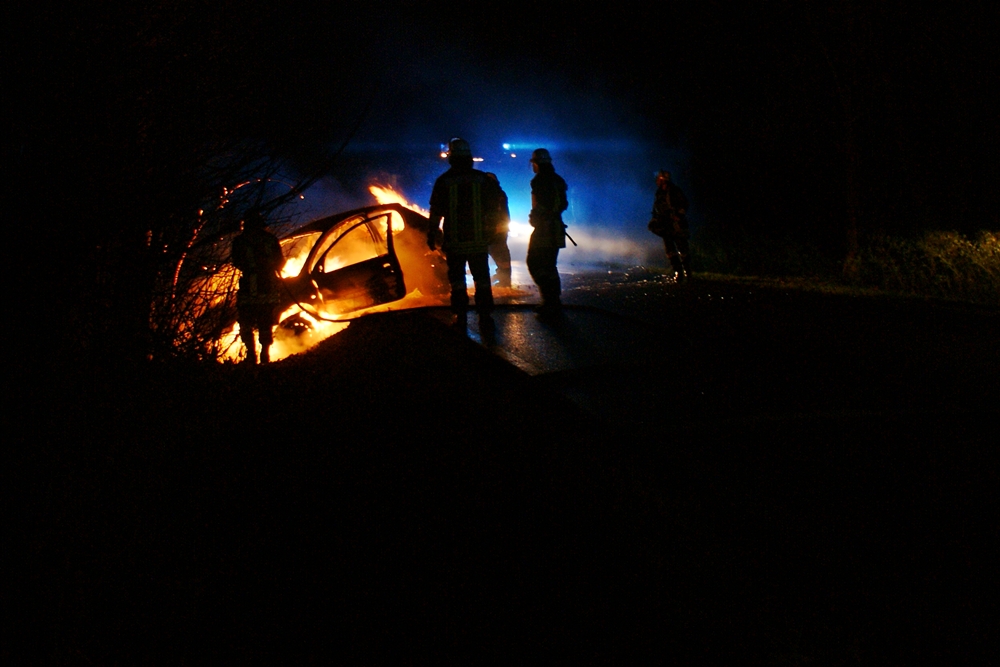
583,337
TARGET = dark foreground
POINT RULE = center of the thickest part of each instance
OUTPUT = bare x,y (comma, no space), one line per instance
789,479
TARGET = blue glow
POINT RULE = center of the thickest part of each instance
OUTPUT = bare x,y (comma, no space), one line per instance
607,154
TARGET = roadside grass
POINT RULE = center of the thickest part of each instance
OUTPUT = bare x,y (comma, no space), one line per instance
940,264
743,255
943,265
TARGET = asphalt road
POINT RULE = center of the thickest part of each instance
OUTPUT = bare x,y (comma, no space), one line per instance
750,350
711,473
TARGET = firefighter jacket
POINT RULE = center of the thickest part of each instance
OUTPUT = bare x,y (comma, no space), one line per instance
667,218
548,201
469,202
257,254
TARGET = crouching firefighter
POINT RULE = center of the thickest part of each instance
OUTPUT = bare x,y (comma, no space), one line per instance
468,200
257,254
669,221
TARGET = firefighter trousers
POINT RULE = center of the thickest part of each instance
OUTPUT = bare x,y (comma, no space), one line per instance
542,267
479,266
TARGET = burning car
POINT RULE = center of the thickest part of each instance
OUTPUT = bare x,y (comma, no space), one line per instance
349,263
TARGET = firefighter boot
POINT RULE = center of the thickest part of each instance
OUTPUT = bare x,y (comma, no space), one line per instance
685,268
502,277
251,346
678,268
487,328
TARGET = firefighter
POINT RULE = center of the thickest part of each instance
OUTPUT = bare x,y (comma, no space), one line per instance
498,249
468,200
257,254
548,201
670,222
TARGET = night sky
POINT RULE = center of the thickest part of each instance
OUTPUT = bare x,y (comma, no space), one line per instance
757,107
746,102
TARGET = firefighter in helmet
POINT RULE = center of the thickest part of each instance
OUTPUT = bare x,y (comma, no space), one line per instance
257,254
669,221
548,201
468,201
498,250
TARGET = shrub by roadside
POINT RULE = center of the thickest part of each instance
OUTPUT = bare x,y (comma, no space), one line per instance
940,264
744,255
943,264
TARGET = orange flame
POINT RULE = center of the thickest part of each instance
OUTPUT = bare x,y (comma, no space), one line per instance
386,195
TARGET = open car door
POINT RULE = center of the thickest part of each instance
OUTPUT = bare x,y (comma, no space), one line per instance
354,265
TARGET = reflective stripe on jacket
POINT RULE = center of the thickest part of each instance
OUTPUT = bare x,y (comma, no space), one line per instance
468,200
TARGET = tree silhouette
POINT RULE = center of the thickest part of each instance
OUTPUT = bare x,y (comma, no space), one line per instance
134,126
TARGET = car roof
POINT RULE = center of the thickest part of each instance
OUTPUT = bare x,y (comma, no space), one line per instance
410,218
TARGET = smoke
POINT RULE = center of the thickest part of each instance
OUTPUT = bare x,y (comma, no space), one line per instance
329,196
596,249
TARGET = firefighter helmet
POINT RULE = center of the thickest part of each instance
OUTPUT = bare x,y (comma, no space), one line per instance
459,147
541,156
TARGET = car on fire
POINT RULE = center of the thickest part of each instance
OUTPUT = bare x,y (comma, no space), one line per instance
358,259
335,267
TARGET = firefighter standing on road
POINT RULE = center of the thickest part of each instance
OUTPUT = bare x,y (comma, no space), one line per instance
468,200
548,201
670,222
499,250
257,254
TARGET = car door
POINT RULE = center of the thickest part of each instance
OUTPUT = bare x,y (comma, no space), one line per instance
355,265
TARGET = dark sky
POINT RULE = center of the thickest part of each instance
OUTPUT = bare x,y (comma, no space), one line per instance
748,102
507,76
